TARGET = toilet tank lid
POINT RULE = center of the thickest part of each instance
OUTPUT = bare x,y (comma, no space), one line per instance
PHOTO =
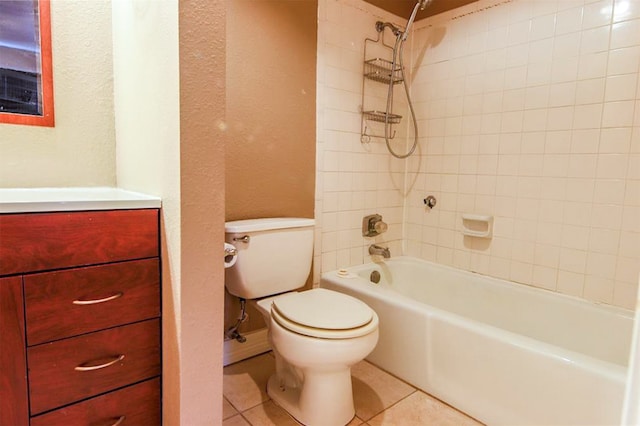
266,224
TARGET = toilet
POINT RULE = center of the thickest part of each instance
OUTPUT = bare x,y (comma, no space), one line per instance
316,335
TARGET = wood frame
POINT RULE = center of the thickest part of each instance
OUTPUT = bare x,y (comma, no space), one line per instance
47,117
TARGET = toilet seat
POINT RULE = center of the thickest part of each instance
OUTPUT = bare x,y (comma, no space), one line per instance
324,314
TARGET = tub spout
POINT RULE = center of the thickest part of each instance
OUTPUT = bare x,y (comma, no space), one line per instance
375,249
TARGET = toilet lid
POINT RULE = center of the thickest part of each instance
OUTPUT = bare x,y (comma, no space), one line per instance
324,313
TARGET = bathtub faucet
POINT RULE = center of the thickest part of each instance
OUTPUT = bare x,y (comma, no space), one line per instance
375,249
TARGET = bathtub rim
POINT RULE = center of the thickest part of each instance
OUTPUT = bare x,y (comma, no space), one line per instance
577,359
612,309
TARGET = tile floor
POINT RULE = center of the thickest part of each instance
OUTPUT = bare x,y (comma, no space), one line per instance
379,398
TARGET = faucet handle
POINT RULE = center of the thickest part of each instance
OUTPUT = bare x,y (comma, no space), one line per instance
380,227
373,225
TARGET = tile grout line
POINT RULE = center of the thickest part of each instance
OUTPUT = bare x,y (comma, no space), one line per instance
238,411
392,405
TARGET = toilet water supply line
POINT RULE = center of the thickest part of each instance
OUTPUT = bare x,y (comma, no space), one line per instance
232,332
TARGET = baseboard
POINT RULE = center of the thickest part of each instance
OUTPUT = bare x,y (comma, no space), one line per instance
257,343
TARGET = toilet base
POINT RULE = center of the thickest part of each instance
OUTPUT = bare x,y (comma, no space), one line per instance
338,413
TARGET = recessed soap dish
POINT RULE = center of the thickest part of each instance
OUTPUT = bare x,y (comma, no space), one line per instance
477,225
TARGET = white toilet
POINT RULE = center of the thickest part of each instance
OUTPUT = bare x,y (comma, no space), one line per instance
316,335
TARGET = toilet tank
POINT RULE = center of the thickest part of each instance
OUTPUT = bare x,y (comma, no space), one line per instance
274,255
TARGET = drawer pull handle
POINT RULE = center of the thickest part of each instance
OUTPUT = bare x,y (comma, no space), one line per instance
119,421
94,301
83,367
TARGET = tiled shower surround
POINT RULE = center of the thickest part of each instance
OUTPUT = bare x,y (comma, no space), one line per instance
528,110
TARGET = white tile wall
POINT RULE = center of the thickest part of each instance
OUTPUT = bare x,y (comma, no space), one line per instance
354,179
528,110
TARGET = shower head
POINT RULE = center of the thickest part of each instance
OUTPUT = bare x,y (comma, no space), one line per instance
421,4
424,3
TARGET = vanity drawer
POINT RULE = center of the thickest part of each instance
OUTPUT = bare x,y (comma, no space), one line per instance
111,359
137,405
44,241
75,301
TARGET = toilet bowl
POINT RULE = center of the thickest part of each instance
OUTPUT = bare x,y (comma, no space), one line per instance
316,335
314,353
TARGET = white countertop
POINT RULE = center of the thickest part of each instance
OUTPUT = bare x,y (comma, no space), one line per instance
27,200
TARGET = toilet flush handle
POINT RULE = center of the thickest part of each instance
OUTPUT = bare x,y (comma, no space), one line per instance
243,239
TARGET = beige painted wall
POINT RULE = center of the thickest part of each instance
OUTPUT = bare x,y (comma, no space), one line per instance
202,164
271,101
271,86
80,149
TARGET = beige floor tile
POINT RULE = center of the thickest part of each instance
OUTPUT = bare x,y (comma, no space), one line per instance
422,409
245,383
236,420
375,390
227,409
269,414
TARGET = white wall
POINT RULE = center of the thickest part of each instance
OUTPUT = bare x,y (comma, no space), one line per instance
527,111
353,180
147,95
80,149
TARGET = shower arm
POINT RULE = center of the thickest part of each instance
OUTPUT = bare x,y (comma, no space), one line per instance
380,26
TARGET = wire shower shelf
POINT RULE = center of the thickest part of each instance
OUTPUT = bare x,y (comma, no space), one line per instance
381,116
382,71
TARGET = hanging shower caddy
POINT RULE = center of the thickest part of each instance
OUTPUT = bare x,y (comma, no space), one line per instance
381,71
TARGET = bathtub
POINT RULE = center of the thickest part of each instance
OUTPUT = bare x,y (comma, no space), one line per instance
504,353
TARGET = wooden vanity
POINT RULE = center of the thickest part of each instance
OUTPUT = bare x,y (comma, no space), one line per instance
80,309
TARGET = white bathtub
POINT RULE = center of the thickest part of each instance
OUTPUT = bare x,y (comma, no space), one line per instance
504,353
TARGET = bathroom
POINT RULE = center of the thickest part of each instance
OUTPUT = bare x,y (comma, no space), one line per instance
523,147
351,180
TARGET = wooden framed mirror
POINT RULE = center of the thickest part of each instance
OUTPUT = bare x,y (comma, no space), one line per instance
26,80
